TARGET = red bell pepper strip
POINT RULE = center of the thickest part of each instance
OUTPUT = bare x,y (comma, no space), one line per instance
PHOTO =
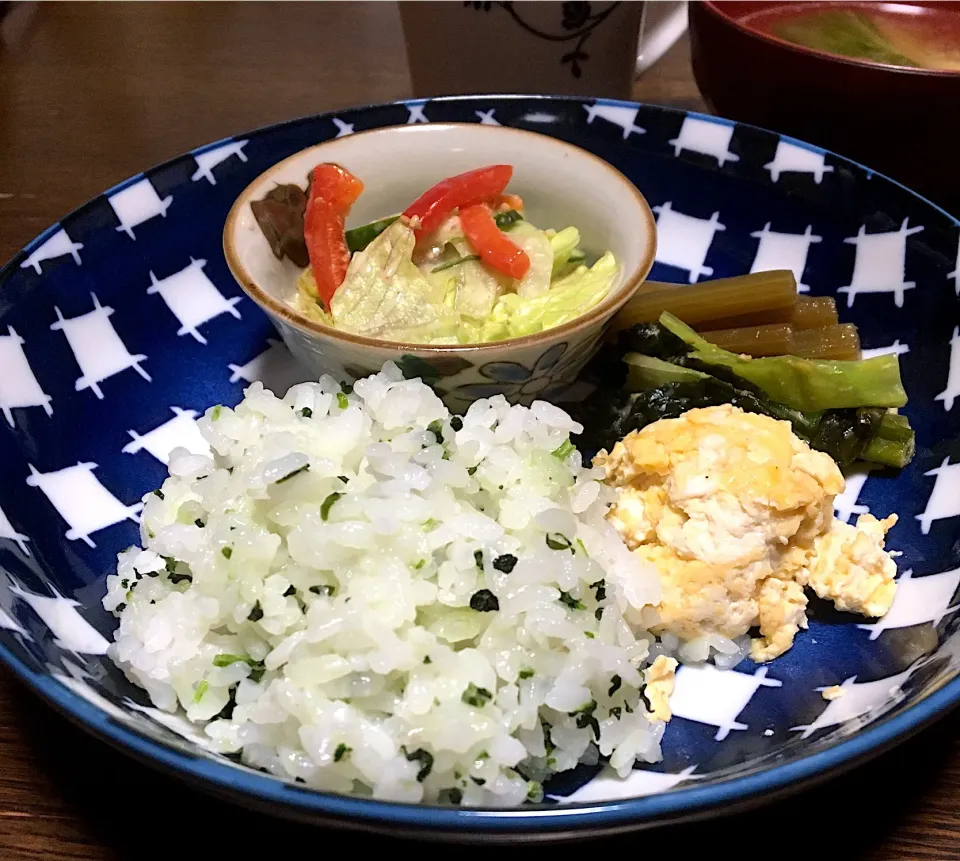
333,191
457,192
495,248
336,186
323,228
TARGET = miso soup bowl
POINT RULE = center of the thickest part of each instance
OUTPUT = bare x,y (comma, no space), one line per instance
904,122
560,184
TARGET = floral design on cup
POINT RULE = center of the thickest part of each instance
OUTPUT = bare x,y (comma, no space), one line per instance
578,18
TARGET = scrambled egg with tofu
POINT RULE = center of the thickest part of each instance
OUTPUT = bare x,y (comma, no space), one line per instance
736,514
659,679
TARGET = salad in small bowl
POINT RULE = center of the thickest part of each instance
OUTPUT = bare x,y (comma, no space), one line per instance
490,279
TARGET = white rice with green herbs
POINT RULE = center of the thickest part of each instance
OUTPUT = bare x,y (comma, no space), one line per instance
360,591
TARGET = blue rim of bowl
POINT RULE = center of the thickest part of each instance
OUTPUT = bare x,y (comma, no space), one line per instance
295,801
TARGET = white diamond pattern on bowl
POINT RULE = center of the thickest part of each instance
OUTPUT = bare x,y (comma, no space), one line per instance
87,492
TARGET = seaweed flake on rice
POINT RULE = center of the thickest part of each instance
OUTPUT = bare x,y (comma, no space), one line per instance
369,595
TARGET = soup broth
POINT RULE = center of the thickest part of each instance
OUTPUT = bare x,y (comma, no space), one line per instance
886,33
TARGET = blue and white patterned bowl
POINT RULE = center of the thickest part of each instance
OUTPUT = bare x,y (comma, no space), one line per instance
121,324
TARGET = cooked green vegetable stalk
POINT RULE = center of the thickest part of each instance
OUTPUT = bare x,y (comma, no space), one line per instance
760,292
660,380
893,442
804,384
645,373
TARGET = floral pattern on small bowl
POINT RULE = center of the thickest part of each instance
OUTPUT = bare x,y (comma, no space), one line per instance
520,372
550,377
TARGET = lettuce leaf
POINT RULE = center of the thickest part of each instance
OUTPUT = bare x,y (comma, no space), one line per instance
477,286
539,249
564,244
385,295
308,298
514,316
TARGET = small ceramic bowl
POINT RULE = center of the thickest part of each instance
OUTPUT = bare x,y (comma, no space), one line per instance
560,184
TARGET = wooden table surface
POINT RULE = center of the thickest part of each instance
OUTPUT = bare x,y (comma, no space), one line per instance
92,93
